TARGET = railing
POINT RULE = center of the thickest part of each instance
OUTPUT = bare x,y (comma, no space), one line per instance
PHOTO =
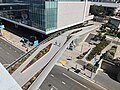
32,50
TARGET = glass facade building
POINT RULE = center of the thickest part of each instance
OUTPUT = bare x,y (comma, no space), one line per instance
43,14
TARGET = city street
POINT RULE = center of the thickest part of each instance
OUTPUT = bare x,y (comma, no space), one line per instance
8,53
61,79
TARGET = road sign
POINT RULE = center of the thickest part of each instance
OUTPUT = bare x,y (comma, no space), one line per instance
36,43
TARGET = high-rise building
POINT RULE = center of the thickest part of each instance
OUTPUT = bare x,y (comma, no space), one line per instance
48,16
51,15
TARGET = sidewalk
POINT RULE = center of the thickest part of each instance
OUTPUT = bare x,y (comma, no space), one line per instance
73,63
78,63
14,40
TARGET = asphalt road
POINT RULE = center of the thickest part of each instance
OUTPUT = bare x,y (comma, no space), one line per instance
104,80
8,52
61,79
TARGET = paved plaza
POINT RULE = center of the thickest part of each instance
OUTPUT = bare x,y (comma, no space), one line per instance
73,63
14,40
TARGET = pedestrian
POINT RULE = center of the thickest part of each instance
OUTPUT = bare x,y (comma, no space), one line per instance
26,49
84,66
68,69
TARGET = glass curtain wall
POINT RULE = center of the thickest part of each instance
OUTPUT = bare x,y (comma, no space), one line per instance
43,14
51,15
71,0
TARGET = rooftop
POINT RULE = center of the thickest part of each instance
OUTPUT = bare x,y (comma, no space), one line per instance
6,80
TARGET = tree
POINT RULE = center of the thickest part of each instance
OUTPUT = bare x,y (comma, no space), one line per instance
97,10
117,62
103,37
108,56
110,11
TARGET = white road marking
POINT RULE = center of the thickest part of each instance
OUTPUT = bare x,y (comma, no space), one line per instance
76,81
63,82
53,87
15,51
51,75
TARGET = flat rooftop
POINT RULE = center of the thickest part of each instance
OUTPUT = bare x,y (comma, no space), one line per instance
6,80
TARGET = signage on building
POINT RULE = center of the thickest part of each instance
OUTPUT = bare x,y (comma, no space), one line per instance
2,26
36,43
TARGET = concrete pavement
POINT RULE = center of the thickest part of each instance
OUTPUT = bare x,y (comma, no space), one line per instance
39,64
14,40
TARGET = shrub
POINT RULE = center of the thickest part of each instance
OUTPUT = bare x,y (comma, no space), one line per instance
99,47
114,46
108,56
90,67
117,62
112,51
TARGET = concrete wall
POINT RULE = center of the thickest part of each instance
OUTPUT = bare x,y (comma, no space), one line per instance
70,13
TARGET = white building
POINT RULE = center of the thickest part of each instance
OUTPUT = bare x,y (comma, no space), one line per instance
6,80
48,16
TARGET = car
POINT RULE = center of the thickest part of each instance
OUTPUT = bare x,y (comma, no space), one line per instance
69,58
77,71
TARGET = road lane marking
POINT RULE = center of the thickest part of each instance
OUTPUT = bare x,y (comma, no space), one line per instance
63,82
53,88
51,75
76,81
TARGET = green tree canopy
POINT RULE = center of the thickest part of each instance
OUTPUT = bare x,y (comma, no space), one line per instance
97,10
